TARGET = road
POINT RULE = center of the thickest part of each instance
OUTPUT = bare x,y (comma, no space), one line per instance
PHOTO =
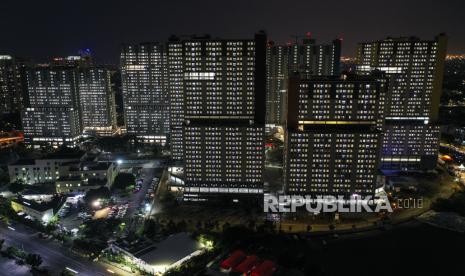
161,188
55,257
137,198
460,150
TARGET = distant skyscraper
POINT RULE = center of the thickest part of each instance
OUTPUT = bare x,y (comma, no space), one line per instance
52,116
414,69
332,140
73,61
176,96
277,81
224,84
305,57
11,85
311,59
97,100
145,91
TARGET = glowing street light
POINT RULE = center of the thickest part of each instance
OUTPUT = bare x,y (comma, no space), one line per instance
96,203
119,161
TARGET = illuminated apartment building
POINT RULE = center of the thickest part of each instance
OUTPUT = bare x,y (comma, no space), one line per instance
303,56
414,69
311,59
333,138
52,116
276,84
224,84
176,96
11,85
145,91
97,100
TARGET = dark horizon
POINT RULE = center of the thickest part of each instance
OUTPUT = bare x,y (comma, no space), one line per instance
42,30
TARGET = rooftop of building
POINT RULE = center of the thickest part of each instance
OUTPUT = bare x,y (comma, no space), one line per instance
168,251
40,189
171,250
89,166
24,162
64,153
97,166
71,163
40,207
405,39
69,178
344,77
134,246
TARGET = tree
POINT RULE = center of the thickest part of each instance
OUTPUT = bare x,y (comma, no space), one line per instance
4,177
19,262
157,150
11,251
94,194
151,228
16,186
124,180
2,241
34,260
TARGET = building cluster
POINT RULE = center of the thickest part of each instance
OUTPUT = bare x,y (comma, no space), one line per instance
11,85
303,56
59,101
212,99
63,172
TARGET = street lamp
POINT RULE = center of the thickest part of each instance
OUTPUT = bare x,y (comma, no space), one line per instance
96,203
119,161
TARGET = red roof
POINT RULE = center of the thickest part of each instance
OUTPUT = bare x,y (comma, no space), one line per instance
267,268
247,264
234,259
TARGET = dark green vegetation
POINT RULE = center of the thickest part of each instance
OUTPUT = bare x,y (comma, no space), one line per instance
95,236
94,194
124,180
456,203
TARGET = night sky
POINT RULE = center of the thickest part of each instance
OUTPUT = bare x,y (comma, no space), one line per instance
40,29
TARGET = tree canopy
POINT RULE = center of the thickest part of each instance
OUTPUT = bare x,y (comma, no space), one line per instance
100,193
16,186
124,180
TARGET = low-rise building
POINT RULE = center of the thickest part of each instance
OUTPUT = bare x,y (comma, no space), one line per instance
159,257
77,184
46,169
42,212
41,192
84,176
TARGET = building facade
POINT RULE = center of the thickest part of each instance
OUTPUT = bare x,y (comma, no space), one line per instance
52,116
333,139
81,176
414,69
11,85
97,101
35,171
176,96
311,59
303,56
224,83
276,83
145,91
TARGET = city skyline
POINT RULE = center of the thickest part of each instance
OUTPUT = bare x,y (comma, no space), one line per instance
254,138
